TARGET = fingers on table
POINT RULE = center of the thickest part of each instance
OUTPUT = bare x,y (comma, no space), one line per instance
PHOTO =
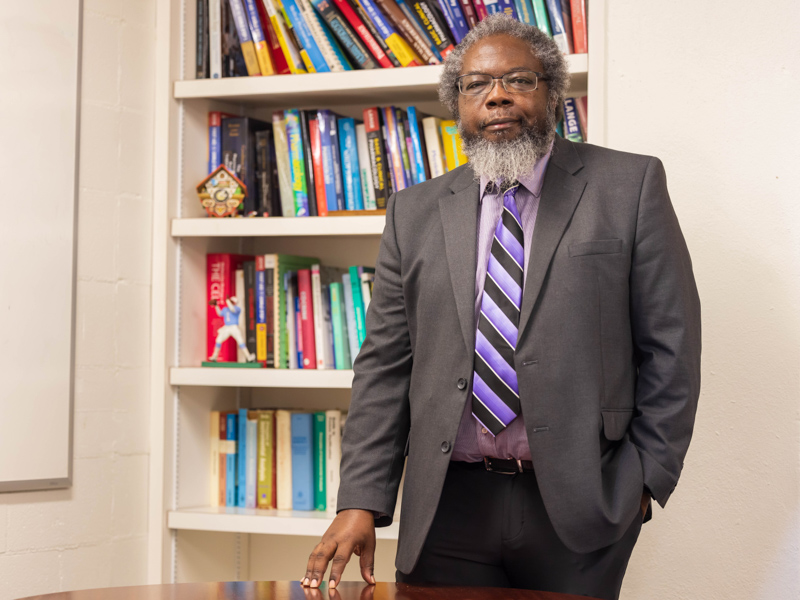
367,561
318,562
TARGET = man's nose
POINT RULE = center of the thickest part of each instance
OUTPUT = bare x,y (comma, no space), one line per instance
498,96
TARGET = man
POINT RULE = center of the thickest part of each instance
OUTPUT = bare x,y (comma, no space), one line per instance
533,348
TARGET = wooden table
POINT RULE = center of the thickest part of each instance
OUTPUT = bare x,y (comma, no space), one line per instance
292,590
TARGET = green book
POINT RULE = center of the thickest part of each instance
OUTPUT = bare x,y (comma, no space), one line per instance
320,489
358,305
540,13
337,320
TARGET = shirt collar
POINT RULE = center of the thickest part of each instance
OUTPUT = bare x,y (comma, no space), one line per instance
531,181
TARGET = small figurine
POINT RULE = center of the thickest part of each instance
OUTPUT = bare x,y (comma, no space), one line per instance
230,314
221,193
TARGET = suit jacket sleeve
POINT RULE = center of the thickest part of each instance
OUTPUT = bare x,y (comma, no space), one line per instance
665,319
377,426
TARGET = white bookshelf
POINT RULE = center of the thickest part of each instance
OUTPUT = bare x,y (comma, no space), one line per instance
183,393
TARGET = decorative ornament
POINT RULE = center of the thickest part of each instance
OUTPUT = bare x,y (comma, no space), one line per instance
221,193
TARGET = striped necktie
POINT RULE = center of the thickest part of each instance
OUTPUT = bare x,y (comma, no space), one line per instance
495,392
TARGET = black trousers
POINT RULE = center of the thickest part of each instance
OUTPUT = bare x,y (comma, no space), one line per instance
492,530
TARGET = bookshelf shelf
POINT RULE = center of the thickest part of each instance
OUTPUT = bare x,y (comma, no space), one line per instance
262,378
279,227
377,86
270,522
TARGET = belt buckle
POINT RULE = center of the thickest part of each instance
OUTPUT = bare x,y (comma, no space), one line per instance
488,466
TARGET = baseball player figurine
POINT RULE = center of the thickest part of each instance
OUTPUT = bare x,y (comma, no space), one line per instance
230,313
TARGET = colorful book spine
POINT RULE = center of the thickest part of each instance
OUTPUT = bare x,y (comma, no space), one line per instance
249,306
480,9
214,37
416,144
557,25
214,459
399,46
470,16
283,458
311,189
395,153
572,128
306,302
540,14
406,29
279,62
525,11
580,39
224,443
304,34
403,139
431,127
266,459
451,141
349,307
315,26
231,476
327,331
333,455
335,45
412,18
337,160
302,461
261,310
374,32
434,26
451,9
583,116
259,41
345,34
316,303
288,48
214,140
241,459
367,279
350,170
358,304
364,170
502,6
320,472
339,326
298,335
297,162
252,459
284,163
377,156
324,118
318,167
289,319
566,18
358,26
245,38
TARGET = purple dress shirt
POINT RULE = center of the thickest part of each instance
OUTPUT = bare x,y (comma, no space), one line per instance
473,441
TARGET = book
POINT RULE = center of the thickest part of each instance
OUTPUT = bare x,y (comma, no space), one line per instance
359,310
241,296
320,468
251,469
557,25
451,9
278,59
364,170
480,9
541,16
451,143
326,120
202,31
417,151
566,18
361,30
395,151
297,162
267,475
583,116
502,6
415,22
305,135
403,140
470,16
261,310
245,38
220,285
333,123
398,45
525,11
213,477
286,192
351,176
434,25
333,455
231,473
214,140
286,43
317,167
302,428
403,25
572,128
263,55
359,10
328,46
319,324
306,38
224,450
431,128
347,36
306,303
367,279
283,458
327,331
377,156
350,319
290,319
339,325
231,57
580,39
264,151
241,458
249,307
238,155
270,278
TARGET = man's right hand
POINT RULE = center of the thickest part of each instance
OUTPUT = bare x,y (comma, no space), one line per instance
352,531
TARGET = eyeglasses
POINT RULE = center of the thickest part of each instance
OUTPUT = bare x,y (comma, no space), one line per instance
516,82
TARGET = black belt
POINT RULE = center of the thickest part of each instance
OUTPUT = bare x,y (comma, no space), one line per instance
504,466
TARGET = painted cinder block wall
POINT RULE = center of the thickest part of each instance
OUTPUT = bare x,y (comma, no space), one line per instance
94,534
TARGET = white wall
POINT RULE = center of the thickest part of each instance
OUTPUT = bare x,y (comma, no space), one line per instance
711,88
94,534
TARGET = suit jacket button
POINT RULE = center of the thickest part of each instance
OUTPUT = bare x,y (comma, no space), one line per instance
462,384
445,447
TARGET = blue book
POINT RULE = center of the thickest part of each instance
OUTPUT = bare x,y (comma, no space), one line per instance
241,460
214,141
294,137
358,303
337,162
459,28
230,458
502,6
261,313
557,25
525,11
252,459
350,318
572,127
416,143
560,128
306,39
337,48
302,461
298,335
326,145
350,167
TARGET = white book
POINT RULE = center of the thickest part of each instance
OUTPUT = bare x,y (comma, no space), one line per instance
315,26
350,312
327,332
433,145
365,168
283,452
213,487
241,293
252,460
319,325
215,38
333,455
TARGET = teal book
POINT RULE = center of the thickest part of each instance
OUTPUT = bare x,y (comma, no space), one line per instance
241,460
320,469
358,305
525,11
540,14
350,319
302,461
230,465
339,326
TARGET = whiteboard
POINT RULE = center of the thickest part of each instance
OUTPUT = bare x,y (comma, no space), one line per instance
40,73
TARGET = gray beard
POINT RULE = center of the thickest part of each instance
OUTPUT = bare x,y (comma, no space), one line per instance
508,160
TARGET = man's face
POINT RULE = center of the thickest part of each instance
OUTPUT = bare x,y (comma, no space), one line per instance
501,115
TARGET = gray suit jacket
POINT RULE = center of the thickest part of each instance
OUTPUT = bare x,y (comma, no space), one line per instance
608,357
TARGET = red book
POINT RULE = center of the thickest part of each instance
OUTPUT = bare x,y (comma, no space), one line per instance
319,173
278,59
469,13
220,285
223,456
480,9
362,31
306,324
580,38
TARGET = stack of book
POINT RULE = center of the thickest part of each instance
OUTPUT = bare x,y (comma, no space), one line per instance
315,162
281,459
293,312
239,38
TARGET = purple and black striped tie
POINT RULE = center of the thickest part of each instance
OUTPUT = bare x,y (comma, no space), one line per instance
495,392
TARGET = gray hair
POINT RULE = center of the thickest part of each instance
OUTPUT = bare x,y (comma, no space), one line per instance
544,48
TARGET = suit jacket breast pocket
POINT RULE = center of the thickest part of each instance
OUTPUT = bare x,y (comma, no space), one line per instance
595,247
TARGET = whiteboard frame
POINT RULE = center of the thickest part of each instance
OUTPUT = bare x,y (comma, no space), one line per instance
27,485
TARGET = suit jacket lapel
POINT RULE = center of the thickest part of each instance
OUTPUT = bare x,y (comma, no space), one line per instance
561,193
459,213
